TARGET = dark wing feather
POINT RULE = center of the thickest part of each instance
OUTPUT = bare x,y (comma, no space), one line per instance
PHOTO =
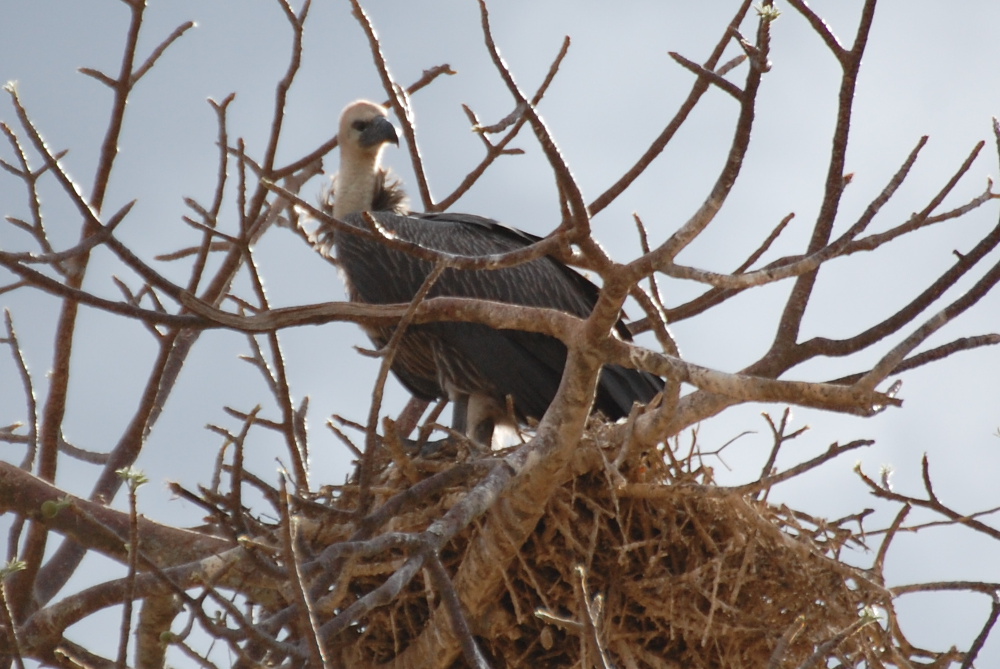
526,366
506,239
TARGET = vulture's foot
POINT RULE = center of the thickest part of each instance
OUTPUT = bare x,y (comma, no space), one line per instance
435,449
446,447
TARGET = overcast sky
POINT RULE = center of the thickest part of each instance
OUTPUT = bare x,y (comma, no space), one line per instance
930,69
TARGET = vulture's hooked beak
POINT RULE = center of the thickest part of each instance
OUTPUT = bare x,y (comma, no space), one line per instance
379,131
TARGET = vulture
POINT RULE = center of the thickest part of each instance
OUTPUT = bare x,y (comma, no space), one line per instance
478,368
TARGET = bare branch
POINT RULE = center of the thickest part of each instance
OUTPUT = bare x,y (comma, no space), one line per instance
579,222
517,118
656,147
310,621
708,75
400,103
150,61
929,503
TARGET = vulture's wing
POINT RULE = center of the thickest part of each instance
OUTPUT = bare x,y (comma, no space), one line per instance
527,366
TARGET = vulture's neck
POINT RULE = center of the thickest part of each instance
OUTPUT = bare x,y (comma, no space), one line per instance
355,187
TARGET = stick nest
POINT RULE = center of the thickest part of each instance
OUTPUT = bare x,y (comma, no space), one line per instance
643,564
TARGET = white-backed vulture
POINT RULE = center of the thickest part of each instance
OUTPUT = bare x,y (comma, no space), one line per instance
475,366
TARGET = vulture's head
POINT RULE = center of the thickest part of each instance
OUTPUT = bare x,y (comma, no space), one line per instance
364,132
365,129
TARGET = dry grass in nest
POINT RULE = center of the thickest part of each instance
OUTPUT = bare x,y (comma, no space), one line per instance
649,565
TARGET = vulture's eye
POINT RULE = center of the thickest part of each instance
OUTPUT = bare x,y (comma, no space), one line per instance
359,125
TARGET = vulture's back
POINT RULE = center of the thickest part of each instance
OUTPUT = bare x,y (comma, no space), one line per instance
382,275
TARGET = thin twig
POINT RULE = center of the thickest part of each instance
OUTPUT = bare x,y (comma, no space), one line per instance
293,564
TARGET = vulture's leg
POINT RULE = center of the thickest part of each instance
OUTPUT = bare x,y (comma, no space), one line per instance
473,416
460,413
483,412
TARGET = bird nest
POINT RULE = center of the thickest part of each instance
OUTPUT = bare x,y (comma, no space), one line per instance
643,564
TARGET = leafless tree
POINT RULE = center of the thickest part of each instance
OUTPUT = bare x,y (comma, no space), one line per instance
589,544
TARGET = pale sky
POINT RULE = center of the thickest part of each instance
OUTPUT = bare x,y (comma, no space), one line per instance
930,69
